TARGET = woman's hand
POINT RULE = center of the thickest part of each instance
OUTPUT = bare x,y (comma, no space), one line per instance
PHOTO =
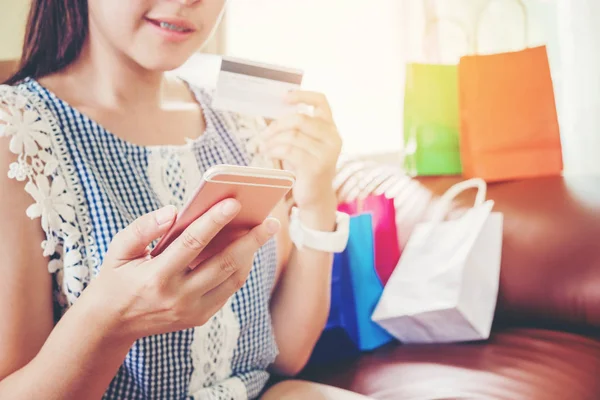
148,296
307,145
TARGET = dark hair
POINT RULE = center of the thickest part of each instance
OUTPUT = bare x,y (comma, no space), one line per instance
55,33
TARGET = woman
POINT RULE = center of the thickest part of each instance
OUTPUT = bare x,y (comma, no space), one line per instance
106,147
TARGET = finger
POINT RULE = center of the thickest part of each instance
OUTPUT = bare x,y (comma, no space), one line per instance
293,138
315,99
235,259
292,154
133,241
194,239
319,129
214,246
221,293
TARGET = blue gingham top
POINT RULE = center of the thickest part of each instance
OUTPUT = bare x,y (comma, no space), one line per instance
87,184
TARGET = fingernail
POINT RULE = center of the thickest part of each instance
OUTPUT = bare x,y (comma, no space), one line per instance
165,215
272,225
229,208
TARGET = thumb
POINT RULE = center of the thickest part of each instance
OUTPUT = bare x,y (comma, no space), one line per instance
132,242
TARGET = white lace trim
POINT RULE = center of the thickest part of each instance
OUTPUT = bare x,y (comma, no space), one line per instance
44,163
229,389
168,166
212,352
174,174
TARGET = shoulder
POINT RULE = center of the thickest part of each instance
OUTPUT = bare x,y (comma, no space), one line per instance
24,118
27,124
16,143
22,95
26,148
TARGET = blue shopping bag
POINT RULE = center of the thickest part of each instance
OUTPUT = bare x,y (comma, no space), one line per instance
355,291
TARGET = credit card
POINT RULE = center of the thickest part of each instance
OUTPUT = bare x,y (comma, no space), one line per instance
255,89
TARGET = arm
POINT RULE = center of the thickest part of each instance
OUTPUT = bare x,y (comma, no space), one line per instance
300,302
310,146
34,363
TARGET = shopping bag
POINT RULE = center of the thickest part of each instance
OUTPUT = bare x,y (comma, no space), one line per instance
431,120
385,231
355,290
431,113
445,286
509,125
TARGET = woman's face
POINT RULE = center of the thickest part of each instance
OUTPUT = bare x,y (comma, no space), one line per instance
158,35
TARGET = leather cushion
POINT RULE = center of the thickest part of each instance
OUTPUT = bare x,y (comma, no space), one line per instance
515,364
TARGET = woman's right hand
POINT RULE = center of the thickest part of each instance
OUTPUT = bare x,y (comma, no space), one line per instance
147,296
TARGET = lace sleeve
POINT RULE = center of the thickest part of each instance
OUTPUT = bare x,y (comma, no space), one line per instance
42,162
29,135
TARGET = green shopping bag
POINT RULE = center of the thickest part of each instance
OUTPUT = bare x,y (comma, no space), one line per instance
431,120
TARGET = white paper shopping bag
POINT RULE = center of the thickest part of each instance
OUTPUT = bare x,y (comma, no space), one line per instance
445,286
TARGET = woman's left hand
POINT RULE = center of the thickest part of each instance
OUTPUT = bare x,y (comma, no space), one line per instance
309,146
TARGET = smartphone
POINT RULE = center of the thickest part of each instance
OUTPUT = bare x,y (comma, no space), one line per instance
258,190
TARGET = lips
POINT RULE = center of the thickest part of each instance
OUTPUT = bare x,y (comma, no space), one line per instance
178,25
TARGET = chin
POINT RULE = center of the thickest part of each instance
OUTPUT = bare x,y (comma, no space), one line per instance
162,63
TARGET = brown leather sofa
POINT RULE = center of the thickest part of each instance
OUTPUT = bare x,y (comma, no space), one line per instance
545,343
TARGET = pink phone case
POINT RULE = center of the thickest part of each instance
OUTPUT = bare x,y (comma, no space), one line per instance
257,189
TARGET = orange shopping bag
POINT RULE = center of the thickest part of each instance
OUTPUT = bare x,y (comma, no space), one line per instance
509,124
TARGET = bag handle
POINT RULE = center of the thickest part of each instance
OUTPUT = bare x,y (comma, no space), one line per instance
446,201
452,193
526,16
433,22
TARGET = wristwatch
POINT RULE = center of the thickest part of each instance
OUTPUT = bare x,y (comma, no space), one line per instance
330,242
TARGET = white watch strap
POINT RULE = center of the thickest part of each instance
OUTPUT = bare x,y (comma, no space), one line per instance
331,242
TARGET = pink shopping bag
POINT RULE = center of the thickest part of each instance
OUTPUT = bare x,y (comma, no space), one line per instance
387,247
